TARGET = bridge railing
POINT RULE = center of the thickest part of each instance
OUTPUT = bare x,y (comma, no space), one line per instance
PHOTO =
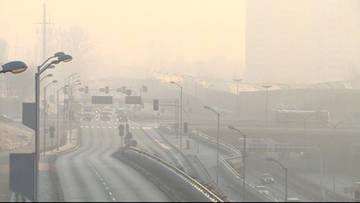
211,196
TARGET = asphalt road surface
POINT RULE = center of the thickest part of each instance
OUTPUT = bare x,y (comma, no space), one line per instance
92,174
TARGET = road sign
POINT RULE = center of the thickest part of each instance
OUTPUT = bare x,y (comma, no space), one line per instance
22,171
133,100
102,100
28,115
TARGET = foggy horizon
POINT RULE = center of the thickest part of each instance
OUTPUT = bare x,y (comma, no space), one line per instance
179,101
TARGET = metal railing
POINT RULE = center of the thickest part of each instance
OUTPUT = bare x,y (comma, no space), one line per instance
194,183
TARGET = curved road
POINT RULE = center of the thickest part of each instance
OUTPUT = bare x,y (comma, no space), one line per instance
92,174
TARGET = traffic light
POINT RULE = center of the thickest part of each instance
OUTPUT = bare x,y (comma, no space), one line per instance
107,89
121,130
86,90
156,105
186,127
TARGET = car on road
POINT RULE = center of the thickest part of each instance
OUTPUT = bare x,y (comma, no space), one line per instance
88,116
105,116
262,189
267,179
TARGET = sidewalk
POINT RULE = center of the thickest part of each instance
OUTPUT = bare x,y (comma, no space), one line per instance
49,185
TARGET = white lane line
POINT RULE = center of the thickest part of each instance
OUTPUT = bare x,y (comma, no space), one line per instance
110,193
114,200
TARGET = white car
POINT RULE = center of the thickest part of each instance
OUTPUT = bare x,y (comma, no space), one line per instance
267,178
262,189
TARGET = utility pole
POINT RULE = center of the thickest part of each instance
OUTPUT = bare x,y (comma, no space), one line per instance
44,23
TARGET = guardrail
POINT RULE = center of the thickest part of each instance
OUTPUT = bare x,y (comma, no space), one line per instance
196,186
211,140
230,171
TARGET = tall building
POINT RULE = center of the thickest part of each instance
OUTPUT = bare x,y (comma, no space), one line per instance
302,41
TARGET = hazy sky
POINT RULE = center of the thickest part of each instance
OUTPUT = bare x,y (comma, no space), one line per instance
286,41
160,33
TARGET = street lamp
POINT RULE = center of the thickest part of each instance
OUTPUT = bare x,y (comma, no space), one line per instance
237,81
286,174
266,103
46,76
58,115
181,109
72,81
217,141
45,113
53,60
243,156
14,67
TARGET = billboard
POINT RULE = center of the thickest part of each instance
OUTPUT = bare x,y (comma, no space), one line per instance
22,174
102,100
29,115
133,100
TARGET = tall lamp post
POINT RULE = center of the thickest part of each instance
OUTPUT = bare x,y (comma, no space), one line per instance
237,81
243,157
53,60
267,103
286,174
181,109
58,114
217,141
68,81
45,114
70,110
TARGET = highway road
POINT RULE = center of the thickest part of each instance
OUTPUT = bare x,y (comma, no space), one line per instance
92,174
207,156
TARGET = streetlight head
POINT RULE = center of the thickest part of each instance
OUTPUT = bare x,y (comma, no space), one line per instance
54,81
51,66
207,107
14,67
49,75
59,54
65,58
231,127
172,82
